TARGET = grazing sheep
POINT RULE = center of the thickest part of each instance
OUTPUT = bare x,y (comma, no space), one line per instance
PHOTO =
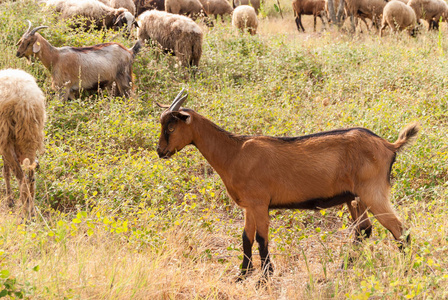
244,17
128,4
75,68
175,33
430,10
96,12
314,171
254,3
371,9
398,16
191,8
22,118
308,7
336,4
217,7
144,5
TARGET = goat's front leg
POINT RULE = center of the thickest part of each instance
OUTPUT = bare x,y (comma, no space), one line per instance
248,241
262,237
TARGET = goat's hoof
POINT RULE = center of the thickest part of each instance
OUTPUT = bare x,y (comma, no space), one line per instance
243,275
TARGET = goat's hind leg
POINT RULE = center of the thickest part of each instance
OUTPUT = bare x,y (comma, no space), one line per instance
379,204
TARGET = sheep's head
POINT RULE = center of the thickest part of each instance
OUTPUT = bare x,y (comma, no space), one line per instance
176,130
122,18
28,44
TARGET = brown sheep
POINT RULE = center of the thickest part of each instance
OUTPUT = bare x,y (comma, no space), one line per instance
308,7
430,10
217,7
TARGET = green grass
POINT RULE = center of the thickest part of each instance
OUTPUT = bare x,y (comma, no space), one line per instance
117,222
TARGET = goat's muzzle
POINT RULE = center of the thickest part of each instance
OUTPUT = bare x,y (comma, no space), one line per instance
163,154
18,54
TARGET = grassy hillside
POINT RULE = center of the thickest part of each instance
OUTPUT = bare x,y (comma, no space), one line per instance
117,222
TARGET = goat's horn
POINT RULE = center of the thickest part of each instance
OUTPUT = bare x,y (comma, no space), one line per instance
29,26
179,103
174,105
36,29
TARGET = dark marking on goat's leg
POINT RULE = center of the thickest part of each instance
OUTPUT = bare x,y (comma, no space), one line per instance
248,241
266,264
315,22
246,267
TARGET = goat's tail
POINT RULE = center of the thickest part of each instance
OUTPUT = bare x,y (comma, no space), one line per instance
406,136
136,48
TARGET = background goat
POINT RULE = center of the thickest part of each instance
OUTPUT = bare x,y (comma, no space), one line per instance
90,68
308,172
22,118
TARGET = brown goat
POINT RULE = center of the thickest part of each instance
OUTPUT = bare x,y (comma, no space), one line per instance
307,172
88,68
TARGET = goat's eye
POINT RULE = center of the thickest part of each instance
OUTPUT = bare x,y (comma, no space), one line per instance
170,128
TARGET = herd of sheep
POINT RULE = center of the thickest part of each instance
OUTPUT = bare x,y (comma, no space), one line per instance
397,14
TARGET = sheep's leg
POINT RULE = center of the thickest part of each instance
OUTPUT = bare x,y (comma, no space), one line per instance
323,18
300,23
248,241
27,193
10,159
262,237
382,28
7,177
296,19
352,21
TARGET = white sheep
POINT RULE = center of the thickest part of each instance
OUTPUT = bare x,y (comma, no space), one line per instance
398,16
217,7
254,3
244,17
98,13
22,118
175,33
430,10
128,4
88,68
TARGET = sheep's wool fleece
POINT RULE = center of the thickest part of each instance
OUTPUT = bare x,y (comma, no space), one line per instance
22,111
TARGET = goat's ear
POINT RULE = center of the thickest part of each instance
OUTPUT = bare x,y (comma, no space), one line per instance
184,116
36,47
162,105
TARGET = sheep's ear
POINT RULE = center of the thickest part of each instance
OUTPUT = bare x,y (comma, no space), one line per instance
136,24
36,47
